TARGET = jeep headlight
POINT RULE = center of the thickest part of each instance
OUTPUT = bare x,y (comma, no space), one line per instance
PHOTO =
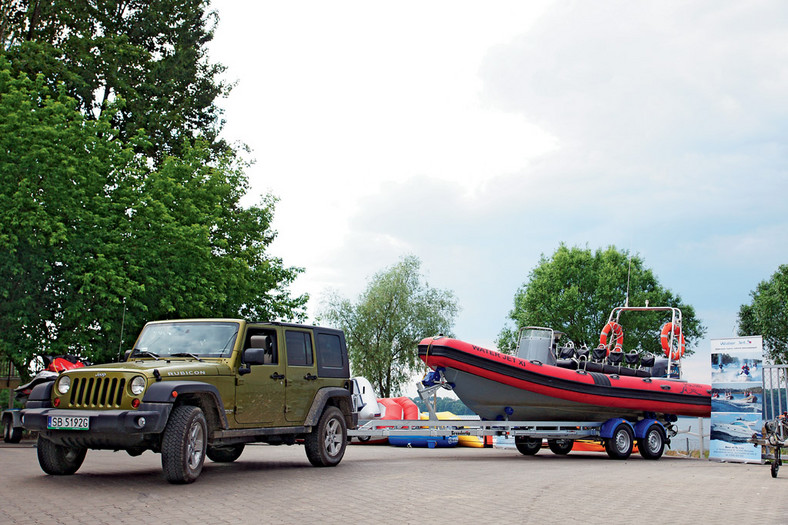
64,384
137,385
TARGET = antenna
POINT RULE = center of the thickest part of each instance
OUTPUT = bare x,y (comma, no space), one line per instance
122,324
629,272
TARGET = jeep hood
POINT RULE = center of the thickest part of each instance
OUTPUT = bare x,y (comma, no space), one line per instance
172,367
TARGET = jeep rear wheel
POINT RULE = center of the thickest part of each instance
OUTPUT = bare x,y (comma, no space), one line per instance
183,444
325,445
59,460
226,454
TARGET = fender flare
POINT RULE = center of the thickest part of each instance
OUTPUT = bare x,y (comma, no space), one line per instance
162,392
40,396
321,400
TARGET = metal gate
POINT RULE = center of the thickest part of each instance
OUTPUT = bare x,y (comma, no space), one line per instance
775,391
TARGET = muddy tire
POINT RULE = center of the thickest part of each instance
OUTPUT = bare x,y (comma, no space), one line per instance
183,444
527,446
226,454
59,460
325,445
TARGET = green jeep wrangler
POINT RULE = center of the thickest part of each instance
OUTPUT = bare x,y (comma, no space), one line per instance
192,388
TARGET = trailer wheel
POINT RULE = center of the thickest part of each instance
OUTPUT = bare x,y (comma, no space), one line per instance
11,434
562,447
527,446
619,445
653,444
59,460
776,462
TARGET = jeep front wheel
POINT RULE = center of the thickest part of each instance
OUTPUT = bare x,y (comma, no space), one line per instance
325,445
183,444
59,460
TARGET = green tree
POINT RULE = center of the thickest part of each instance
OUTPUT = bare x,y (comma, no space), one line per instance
151,53
89,234
574,291
383,328
767,314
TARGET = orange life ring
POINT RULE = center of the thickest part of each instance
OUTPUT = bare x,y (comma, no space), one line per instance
664,339
618,333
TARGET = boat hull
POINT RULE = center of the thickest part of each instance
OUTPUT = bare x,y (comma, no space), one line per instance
500,386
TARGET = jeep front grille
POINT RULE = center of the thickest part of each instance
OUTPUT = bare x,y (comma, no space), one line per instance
97,392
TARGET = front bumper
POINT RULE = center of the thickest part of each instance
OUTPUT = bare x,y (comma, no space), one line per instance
107,428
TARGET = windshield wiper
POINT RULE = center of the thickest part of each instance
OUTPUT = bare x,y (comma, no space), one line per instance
138,352
186,354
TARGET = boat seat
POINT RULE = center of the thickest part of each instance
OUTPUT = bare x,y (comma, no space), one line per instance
582,354
615,358
647,360
632,359
566,352
598,354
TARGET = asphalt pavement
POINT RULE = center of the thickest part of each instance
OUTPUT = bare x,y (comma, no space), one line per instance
382,484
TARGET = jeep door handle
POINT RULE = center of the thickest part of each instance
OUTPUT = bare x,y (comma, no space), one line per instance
310,377
277,376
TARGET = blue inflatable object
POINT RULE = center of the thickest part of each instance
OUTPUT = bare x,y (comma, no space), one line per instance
424,441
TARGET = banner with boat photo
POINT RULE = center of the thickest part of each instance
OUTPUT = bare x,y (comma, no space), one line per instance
737,398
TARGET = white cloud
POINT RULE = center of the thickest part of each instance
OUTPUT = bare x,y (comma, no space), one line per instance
478,137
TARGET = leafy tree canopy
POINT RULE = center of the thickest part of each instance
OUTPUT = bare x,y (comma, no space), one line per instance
150,53
86,225
384,326
767,314
574,290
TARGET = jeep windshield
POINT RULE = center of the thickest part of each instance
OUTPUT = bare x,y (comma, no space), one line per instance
186,339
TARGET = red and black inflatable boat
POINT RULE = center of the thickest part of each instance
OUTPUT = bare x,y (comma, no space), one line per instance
501,386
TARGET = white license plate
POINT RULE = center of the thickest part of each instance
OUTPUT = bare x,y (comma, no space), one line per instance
68,422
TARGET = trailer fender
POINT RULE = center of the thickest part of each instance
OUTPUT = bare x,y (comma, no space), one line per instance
609,426
642,426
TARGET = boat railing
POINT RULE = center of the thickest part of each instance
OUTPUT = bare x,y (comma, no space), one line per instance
673,365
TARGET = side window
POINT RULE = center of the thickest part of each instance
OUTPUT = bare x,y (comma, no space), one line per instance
331,355
265,339
299,348
329,351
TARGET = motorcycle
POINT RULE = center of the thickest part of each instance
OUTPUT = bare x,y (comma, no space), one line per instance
53,365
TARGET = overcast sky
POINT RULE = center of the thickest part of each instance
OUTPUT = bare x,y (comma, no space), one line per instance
480,135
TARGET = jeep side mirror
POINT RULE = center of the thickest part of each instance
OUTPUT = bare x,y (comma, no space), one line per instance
254,356
126,355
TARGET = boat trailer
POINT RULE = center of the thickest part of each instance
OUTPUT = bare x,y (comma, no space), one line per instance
617,434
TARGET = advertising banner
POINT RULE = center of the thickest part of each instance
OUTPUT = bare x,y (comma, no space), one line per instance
736,398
